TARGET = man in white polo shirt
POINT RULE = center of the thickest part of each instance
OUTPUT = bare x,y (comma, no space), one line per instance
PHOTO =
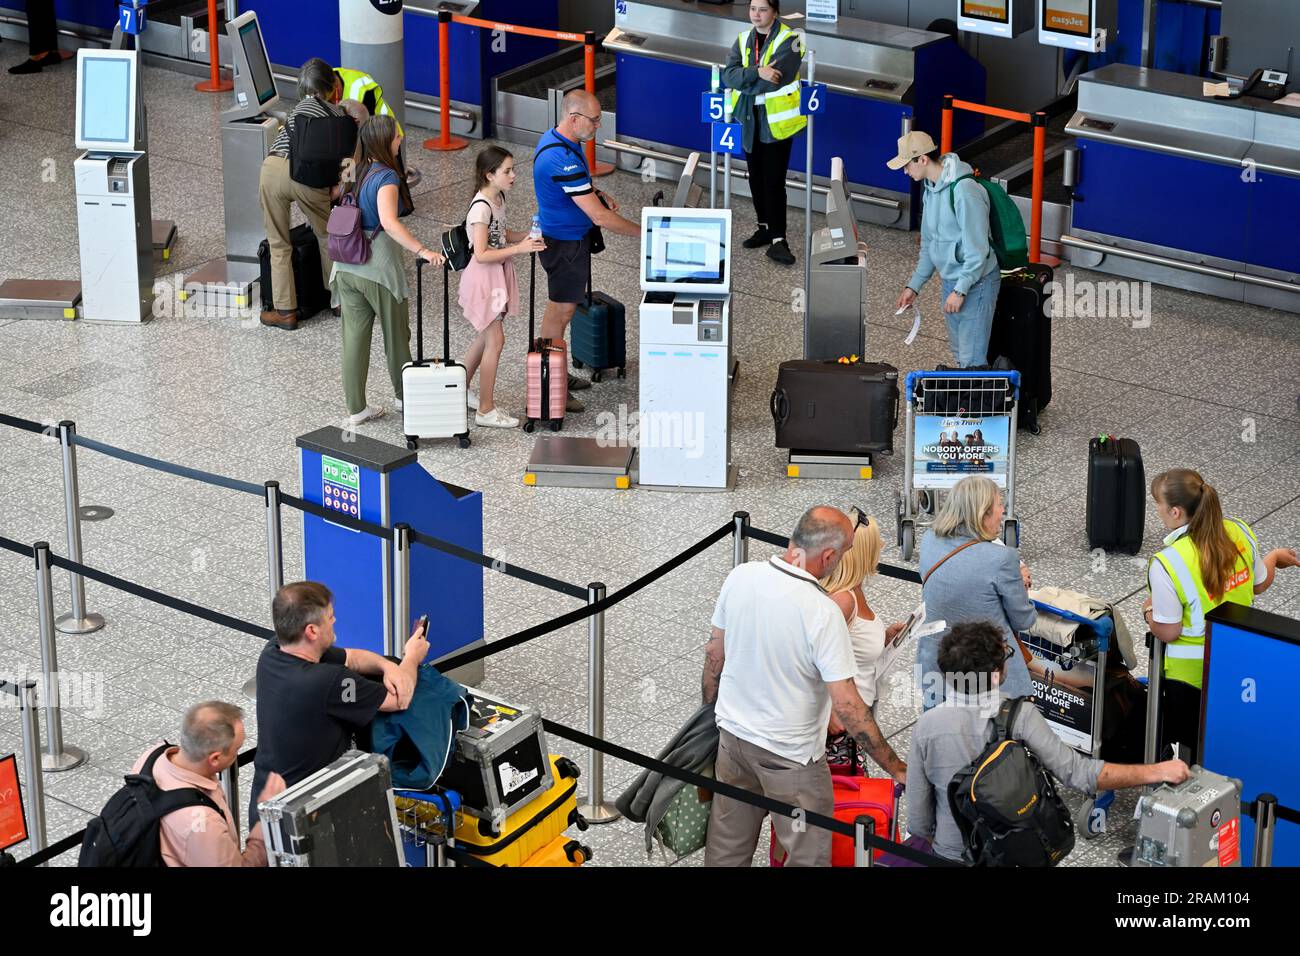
779,661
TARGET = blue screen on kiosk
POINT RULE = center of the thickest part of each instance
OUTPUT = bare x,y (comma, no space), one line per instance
106,102
1251,725
691,250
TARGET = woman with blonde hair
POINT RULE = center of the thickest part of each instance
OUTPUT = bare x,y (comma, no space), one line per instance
1207,560
867,632
968,574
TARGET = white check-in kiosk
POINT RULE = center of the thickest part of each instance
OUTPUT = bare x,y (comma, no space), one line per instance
1085,25
112,178
997,18
685,319
248,131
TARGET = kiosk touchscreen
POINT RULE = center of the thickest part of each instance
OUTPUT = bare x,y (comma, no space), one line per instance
1077,24
115,229
255,90
999,18
685,348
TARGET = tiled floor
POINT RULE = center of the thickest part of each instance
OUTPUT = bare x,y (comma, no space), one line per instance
1210,384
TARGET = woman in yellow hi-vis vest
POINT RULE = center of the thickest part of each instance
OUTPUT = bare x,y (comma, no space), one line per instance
762,80
1207,560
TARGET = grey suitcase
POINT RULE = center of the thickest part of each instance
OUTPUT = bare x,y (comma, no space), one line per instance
500,761
342,815
1194,824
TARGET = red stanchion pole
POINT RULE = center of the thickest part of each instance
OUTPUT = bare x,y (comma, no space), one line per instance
215,83
589,59
945,135
1036,196
444,140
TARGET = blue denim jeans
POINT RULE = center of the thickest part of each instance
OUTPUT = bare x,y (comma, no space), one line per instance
968,330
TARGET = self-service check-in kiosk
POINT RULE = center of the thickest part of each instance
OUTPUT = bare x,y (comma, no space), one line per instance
112,177
247,134
1086,25
837,290
685,365
998,18
368,480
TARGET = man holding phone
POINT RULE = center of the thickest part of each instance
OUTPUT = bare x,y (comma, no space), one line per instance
313,697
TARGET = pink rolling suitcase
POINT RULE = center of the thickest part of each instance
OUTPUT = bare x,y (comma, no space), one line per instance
547,370
434,394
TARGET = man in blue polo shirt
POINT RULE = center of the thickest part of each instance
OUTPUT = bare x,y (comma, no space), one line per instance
569,205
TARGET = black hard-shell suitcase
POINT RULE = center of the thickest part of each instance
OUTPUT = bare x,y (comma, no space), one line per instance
1022,333
313,295
1116,510
835,407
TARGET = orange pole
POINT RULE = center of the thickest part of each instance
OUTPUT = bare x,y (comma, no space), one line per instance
945,135
1036,200
444,142
589,61
214,83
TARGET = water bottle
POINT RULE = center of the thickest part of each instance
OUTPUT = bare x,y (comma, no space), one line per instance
536,231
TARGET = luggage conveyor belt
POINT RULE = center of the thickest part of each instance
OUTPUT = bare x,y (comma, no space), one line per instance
526,100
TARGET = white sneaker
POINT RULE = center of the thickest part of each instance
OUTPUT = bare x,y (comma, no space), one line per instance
471,399
366,414
496,419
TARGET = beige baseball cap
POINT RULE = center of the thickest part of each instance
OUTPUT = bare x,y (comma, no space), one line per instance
912,145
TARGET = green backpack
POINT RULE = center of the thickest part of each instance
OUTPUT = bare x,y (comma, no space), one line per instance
1006,228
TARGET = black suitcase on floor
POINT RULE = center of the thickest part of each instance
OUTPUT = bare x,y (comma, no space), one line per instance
599,333
1022,332
834,407
1116,513
313,294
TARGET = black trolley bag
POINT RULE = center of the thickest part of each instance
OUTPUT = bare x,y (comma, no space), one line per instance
313,294
1022,333
599,333
1116,508
835,407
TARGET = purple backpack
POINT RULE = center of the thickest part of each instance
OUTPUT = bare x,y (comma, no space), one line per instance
348,242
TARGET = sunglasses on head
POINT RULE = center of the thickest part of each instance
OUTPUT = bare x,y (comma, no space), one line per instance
863,520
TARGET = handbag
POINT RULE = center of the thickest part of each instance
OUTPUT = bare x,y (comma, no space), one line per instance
348,242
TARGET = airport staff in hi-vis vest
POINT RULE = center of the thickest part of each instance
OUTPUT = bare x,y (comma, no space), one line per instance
762,80
359,86
1207,560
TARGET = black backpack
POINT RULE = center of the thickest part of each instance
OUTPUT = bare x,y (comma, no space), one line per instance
126,832
1007,806
318,145
456,244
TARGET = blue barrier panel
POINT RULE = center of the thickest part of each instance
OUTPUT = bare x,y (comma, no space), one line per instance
1249,720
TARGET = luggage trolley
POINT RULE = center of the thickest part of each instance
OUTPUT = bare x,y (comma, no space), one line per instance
1069,690
959,423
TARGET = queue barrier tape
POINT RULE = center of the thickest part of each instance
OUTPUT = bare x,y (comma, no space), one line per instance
27,425
885,570
17,547
337,517
494,564
158,464
744,796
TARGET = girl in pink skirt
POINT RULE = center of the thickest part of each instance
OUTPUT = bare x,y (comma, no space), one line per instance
488,289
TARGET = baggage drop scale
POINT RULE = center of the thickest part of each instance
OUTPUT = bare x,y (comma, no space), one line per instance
562,461
805,464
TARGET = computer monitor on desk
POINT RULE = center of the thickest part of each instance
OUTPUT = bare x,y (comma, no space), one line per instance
685,250
108,101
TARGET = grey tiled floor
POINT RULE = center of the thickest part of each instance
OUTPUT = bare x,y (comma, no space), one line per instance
215,394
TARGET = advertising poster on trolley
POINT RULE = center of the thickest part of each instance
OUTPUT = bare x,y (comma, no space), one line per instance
1064,695
950,447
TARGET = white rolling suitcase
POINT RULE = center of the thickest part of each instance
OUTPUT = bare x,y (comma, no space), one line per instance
434,394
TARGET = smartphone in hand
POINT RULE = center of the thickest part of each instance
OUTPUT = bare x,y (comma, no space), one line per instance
422,625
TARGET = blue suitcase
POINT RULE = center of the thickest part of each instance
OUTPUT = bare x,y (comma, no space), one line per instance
599,332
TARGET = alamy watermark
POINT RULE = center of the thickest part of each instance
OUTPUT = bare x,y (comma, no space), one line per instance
1076,298
634,429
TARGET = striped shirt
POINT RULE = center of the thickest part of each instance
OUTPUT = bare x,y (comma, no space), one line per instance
310,106
560,174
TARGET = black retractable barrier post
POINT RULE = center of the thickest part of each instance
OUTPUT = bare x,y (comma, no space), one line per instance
58,755
596,810
740,539
1265,829
78,620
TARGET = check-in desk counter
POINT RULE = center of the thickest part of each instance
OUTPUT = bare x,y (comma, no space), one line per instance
1186,190
879,79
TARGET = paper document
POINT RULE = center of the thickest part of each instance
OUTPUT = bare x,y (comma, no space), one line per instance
1291,99
916,626
916,322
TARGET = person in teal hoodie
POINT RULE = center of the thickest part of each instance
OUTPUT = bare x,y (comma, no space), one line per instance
955,242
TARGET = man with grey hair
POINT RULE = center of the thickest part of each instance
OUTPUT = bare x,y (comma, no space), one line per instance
206,834
779,661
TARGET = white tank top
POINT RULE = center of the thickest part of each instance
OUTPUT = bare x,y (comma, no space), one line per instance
868,637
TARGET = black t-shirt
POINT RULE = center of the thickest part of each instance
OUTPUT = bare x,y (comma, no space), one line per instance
307,714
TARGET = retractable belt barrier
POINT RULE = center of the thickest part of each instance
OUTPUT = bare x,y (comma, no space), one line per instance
885,570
